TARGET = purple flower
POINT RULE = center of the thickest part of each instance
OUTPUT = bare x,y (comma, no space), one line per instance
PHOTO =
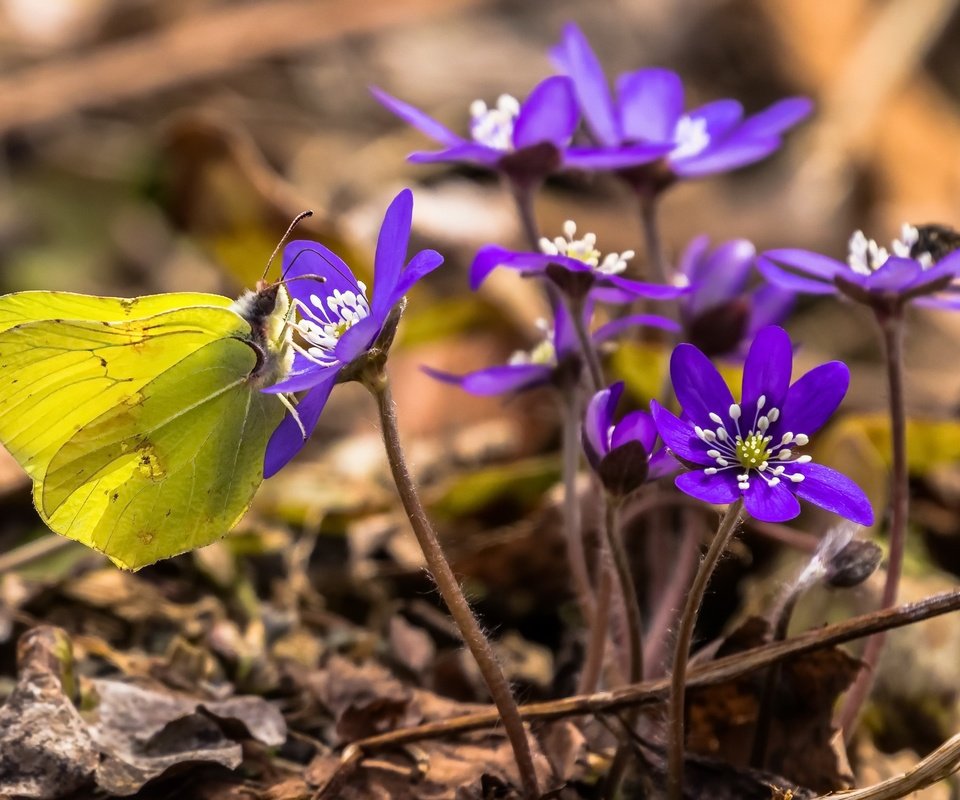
648,110
337,324
529,139
749,448
555,360
575,265
919,268
623,454
720,315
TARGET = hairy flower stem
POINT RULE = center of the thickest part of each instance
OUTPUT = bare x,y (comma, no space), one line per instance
450,589
587,350
891,327
651,235
688,621
599,629
572,524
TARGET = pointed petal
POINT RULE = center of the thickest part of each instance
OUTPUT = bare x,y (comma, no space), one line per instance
497,380
466,151
767,371
655,291
776,119
719,489
693,259
770,503
549,114
615,327
491,256
303,259
729,154
651,102
722,275
813,398
679,436
359,338
720,116
769,305
287,440
698,386
423,263
598,420
392,244
301,380
895,275
574,56
833,491
788,281
416,118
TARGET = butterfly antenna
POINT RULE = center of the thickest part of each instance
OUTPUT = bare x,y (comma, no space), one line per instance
296,221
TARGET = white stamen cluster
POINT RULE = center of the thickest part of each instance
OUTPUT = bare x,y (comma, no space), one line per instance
493,127
866,256
690,137
324,320
585,249
545,352
754,450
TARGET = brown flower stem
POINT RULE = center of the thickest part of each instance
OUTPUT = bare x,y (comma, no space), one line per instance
685,564
450,589
587,350
891,326
688,621
628,589
651,237
523,194
572,522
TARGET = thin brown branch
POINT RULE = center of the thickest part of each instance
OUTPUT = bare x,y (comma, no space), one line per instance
199,47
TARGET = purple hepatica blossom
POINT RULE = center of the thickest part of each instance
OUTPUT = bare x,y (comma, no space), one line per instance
748,448
623,454
720,315
553,361
337,324
648,110
576,266
920,268
525,140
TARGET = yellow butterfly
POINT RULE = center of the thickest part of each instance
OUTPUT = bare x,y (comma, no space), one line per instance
141,421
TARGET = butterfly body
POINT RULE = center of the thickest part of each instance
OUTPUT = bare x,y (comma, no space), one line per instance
140,420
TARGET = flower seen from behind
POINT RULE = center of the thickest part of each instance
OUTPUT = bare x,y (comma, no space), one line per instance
752,449
721,315
648,109
623,454
336,322
920,265
575,264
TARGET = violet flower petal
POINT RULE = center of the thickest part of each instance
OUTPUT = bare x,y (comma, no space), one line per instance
777,118
303,259
359,337
833,491
770,305
767,371
720,116
770,503
574,56
601,158
549,114
615,327
895,274
391,253
678,435
698,386
732,153
791,282
298,380
476,153
722,276
287,440
719,489
597,422
651,102
692,261
813,398
655,291
497,380
636,426
423,263
415,117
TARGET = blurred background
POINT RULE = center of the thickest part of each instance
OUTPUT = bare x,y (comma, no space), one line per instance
164,145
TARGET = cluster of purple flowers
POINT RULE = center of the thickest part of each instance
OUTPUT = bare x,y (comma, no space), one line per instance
722,448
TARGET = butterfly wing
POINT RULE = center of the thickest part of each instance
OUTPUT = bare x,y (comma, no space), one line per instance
142,435
171,471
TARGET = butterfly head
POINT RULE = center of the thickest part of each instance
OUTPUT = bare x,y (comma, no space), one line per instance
266,310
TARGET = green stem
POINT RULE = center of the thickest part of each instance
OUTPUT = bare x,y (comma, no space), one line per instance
688,621
891,326
450,590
